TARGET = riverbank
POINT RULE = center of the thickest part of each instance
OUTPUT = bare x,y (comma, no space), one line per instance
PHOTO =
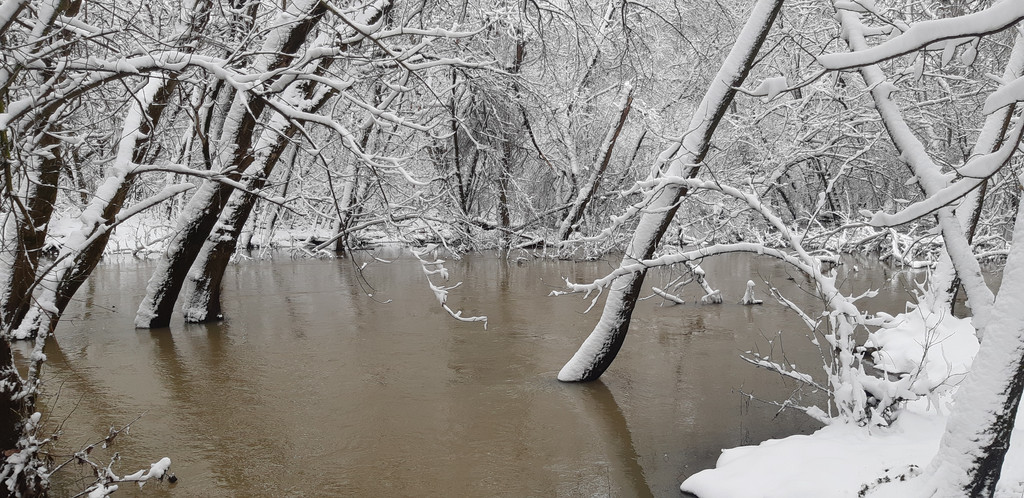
846,460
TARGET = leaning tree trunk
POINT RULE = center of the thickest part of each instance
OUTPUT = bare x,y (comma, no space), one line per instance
682,159
202,299
205,207
604,157
945,281
25,231
84,248
977,436
929,174
30,212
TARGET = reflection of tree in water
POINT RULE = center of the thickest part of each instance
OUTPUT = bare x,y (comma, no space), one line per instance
211,380
600,401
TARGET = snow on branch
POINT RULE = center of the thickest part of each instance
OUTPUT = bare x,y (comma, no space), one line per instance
213,176
784,370
975,172
668,297
436,267
996,18
677,258
927,173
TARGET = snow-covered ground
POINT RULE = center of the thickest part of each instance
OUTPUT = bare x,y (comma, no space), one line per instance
843,460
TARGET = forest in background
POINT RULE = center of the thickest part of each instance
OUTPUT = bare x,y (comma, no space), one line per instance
671,131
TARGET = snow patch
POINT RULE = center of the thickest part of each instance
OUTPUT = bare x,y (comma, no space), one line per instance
845,459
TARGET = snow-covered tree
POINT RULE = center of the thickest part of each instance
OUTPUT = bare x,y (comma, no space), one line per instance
681,159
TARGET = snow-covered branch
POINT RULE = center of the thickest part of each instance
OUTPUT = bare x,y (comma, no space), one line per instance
436,267
957,30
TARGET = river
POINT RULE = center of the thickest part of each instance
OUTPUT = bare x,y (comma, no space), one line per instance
324,381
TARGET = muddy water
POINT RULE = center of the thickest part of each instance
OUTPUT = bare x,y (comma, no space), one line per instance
327,382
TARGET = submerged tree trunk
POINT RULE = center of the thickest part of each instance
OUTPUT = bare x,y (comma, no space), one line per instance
203,210
202,299
84,248
24,230
682,159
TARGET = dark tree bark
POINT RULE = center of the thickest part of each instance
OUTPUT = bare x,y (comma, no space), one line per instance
85,248
23,244
12,405
70,274
205,207
202,300
32,220
977,437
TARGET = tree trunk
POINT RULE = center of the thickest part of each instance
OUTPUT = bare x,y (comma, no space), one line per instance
977,436
273,216
453,109
84,248
203,210
604,157
505,175
682,159
928,174
945,282
347,202
202,300
12,404
26,231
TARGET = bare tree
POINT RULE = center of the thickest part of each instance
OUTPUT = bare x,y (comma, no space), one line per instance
682,159
290,30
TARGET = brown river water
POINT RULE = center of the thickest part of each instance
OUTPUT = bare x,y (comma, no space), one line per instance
313,387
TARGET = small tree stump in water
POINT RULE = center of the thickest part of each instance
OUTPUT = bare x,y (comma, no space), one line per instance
748,296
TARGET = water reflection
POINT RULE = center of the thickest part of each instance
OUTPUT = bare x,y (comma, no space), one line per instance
599,402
